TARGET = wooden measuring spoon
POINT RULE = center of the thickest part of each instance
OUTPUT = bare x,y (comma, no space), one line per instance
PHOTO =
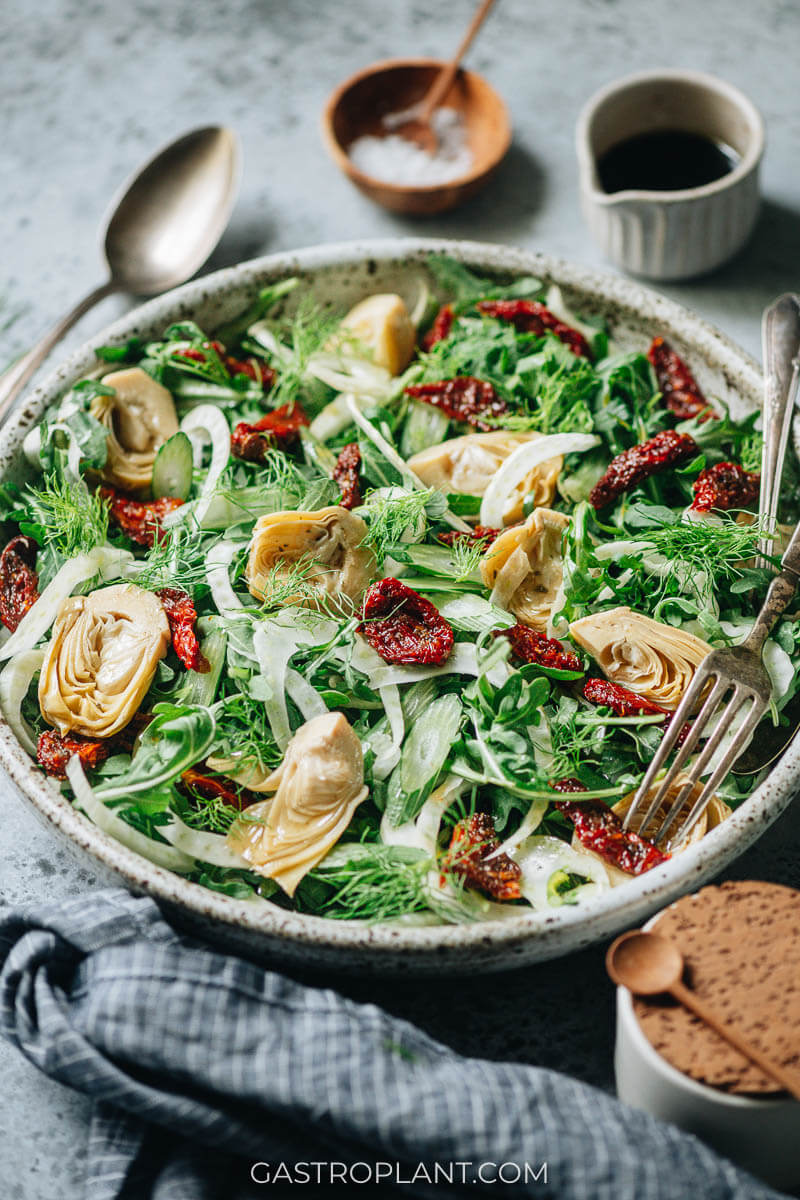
419,129
648,964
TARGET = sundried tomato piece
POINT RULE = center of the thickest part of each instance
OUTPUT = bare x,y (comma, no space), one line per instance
463,399
625,703
403,627
247,443
19,581
676,383
474,839
277,428
346,472
54,752
530,316
440,329
725,485
599,829
533,647
570,784
182,617
633,466
141,520
254,368
481,533
211,787
684,733
620,700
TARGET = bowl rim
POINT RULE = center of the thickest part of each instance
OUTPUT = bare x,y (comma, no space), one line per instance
342,159
554,932
746,165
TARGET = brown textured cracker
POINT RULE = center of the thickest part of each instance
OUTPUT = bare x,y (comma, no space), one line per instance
741,946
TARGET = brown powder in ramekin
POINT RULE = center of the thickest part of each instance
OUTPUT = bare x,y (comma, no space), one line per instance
741,946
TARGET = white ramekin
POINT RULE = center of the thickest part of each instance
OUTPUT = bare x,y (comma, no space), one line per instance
762,1136
671,235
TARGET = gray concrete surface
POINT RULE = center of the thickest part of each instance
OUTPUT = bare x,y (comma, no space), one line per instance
89,89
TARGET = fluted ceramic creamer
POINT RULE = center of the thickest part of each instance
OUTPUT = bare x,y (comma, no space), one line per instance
671,234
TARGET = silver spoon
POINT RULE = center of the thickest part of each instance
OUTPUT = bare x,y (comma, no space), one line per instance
162,228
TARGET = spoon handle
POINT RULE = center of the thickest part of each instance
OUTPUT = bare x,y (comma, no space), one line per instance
14,379
780,336
445,78
690,1000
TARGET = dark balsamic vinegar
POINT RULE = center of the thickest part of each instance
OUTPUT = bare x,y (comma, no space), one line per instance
665,160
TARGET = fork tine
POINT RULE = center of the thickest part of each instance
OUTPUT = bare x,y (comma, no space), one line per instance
699,724
757,710
666,745
737,701
668,742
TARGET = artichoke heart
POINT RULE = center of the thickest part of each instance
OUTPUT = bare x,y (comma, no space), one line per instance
139,417
318,787
653,660
101,660
382,324
328,542
524,567
467,464
715,814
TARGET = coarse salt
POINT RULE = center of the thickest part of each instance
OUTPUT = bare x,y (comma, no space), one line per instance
395,159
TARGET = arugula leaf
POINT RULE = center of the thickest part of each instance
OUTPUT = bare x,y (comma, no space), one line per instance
462,504
463,287
375,468
581,472
724,437
175,739
90,434
626,408
641,515
241,885
129,352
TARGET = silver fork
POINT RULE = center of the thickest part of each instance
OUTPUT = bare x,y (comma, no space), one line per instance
740,667
736,668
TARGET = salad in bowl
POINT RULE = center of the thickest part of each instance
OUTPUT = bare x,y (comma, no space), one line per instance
379,614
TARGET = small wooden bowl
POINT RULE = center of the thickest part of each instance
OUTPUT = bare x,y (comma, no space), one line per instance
359,104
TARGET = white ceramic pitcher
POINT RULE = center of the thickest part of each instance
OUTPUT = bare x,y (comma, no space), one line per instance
671,235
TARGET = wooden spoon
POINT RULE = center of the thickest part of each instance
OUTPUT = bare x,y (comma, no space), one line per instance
419,129
648,964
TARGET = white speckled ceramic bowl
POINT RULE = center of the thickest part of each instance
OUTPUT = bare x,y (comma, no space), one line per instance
342,274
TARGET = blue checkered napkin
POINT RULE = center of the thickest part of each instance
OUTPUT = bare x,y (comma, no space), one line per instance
201,1065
